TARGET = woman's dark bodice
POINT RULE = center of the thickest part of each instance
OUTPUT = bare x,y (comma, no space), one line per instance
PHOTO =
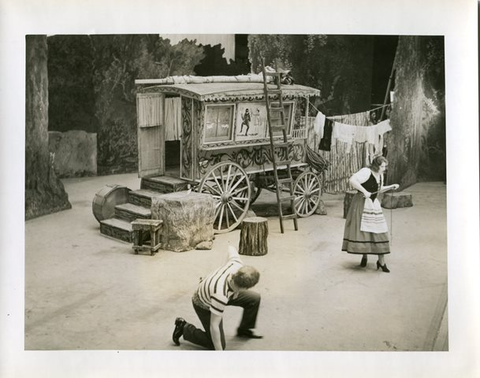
372,186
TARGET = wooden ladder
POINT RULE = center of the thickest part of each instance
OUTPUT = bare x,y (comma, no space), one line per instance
276,122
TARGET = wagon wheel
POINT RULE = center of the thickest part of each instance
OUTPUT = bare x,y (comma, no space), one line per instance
307,194
229,185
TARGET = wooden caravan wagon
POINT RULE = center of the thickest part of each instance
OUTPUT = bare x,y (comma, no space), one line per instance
214,132
229,136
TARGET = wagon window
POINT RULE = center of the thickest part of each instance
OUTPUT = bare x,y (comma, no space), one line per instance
218,123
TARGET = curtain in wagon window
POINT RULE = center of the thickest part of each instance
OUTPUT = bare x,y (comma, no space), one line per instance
173,113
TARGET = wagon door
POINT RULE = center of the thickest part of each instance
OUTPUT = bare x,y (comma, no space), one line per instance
151,134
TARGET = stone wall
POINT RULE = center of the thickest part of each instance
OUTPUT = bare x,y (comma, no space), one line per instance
74,153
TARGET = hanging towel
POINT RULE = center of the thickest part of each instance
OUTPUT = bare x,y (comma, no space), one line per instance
326,142
372,217
380,129
319,125
344,133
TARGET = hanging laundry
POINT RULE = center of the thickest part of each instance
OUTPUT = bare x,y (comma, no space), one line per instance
344,133
380,129
319,124
326,142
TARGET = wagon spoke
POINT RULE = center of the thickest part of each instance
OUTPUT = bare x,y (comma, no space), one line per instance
211,188
243,199
217,208
226,216
234,203
313,183
228,177
299,203
233,212
237,183
240,190
220,186
220,218
305,205
302,191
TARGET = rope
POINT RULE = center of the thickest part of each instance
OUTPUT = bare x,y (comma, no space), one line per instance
391,219
370,110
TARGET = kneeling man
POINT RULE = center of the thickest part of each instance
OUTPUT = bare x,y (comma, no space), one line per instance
227,286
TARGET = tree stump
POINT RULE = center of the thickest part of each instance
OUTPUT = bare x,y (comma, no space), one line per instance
397,200
347,201
253,237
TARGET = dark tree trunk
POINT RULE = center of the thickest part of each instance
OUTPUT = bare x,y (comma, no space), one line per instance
418,116
44,192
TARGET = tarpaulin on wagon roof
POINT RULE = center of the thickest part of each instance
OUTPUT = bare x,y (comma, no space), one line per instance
226,91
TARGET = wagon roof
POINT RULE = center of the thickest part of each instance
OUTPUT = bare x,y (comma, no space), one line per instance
227,91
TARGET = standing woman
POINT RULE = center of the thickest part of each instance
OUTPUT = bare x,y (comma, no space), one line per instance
366,231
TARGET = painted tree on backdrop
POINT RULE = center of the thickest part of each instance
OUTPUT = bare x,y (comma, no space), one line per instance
340,66
44,192
100,71
417,145
119,60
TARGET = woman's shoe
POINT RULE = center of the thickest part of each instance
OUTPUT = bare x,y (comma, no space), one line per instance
384,267
363,263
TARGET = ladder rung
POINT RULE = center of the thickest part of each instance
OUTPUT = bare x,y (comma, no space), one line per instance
288,198
283,162
279,127
273,73
282,144
274,91
290,216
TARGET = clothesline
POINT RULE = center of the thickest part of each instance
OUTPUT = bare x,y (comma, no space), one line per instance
371,110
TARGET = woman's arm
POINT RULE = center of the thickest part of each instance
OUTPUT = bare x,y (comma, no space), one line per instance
388,187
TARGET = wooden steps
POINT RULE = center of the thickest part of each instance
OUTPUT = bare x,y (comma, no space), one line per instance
163,184
117,229
138,206
142,197
130,212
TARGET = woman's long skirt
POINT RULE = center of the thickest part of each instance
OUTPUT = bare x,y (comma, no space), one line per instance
360,242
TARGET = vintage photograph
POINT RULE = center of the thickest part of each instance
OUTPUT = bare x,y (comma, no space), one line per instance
240,192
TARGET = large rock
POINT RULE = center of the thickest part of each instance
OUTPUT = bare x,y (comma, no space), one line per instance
187,219
74,153
397,200
321,209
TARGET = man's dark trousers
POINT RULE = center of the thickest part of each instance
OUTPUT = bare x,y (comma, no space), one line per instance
248,300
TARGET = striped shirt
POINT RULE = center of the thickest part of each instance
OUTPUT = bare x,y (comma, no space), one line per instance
214,291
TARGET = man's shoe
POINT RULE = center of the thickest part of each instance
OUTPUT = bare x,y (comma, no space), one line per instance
247,334
178,331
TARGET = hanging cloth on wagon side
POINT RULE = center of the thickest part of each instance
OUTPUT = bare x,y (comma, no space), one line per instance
173,116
